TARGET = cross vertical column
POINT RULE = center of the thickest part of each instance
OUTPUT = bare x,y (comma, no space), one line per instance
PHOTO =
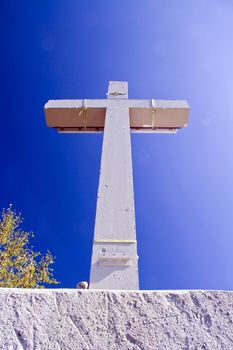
114,256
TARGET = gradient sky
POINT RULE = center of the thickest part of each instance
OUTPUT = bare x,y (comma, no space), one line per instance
183,183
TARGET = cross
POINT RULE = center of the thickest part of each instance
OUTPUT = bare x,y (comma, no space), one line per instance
114,263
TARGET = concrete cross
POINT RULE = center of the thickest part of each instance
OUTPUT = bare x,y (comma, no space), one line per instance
114,262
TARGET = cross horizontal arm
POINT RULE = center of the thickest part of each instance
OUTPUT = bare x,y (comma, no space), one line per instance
121,103
89,115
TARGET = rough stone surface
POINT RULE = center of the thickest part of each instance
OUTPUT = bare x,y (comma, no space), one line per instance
73,319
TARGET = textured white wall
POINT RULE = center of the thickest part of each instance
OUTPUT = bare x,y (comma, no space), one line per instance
99,320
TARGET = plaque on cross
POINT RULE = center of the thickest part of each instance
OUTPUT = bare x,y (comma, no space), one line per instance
114,262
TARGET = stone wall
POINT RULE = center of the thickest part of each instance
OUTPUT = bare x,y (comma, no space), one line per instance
72,319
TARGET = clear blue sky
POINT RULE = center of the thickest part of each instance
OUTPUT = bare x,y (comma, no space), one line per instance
183,183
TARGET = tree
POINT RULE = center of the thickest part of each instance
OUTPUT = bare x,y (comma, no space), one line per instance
20,265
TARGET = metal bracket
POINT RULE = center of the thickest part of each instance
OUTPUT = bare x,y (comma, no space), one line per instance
153,113
115,256
115,93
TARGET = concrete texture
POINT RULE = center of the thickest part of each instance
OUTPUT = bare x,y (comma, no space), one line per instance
130,320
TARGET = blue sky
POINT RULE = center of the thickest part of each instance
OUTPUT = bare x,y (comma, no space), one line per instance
183,183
